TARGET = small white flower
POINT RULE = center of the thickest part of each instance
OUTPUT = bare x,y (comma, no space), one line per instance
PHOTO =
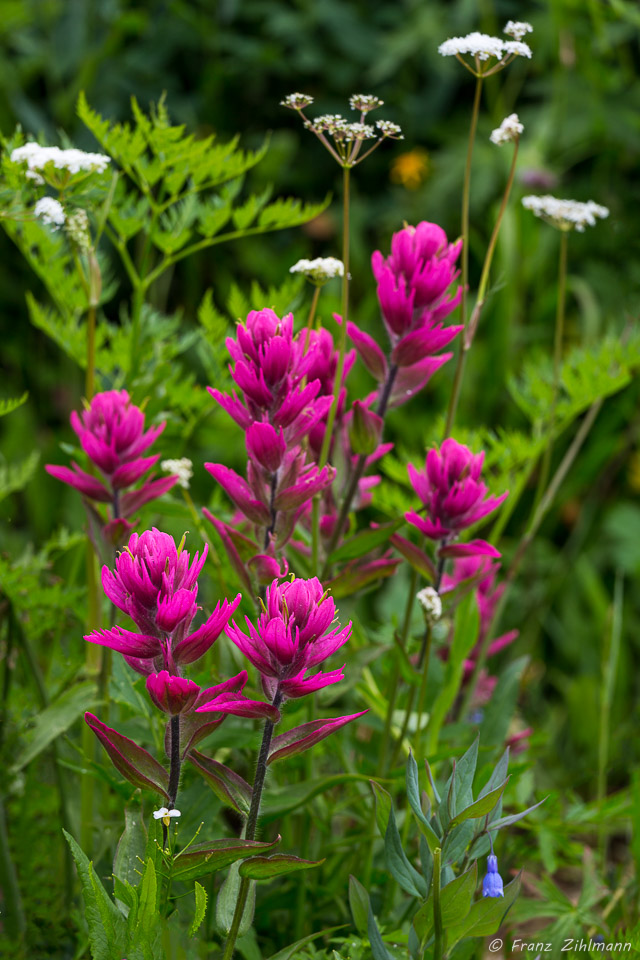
429,600
78,228
565,214
389,129
319,270
483,46
183,468
165,815
517,29
357,131
36,157
50,211
364,102
296,101
327,123
510,129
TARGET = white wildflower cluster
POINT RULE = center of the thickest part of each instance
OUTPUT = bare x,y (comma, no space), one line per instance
389,129
296,101
320,270
429,600
364,102
565,214
182,468
510,129
483,46
50,211
339,128
517,29
358,131
77,228
75,161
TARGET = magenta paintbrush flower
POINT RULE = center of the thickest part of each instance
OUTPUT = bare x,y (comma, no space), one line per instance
455,498
296,631
112,434
155,583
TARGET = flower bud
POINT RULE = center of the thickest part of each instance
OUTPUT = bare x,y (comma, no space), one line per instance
365,429
172,694
492,884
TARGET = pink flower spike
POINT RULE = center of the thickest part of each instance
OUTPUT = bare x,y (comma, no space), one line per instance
87,485
411,380
132,501
239,491
422,343
136,645
172,694
239,706
471,549
370,353
266,568
175,609
128,473
266,445
232,685
196,644
300,686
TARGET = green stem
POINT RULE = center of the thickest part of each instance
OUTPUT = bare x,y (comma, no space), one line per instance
466,189
423,661
610,655
312,314
539,512
250,830
437,913
91,353
93,664
557,362
337,383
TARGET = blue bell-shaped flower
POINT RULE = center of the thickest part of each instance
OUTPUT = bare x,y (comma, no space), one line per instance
492,884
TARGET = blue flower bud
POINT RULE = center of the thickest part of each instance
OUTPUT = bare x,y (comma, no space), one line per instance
492,883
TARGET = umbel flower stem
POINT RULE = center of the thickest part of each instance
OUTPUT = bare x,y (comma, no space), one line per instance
466,190
250,829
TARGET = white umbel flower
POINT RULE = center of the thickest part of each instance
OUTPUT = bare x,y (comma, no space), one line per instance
182,468
364,102
429,600
483,46
165,815
75,161
50,211
389,129
296,101
517,29
510,129
565,214
320,270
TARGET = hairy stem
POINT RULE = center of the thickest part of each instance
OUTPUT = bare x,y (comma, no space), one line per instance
466,191
250,829
174,769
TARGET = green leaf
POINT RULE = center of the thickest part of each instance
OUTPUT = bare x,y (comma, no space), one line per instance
481,806
227,785
486,915
201,908
403,872
264,868
54,720
413,796
131,846
148,918
243,216
466,627
359,903
15,476
364,542
227,899
508,821
204,858
378,948
107,927
383,806
284,800
498,775
9,404
455,903
465,772
289,212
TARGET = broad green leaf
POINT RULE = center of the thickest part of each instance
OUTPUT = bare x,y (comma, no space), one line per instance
148,894
204,858
54,720
200,908
107,926
455,903
227,899
486,915
383,806
403,872
359,903
481,806
264,868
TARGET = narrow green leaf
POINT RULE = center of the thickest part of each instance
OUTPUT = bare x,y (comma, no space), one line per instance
107,926
201,859
378,948
508,821
481,806
359,903
413,795
264,868
403,872
227,899
54,720
9,404
383,806
200,910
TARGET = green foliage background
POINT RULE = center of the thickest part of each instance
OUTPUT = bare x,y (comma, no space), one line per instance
224,67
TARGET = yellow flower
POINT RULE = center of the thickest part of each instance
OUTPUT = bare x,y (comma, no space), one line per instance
410,169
